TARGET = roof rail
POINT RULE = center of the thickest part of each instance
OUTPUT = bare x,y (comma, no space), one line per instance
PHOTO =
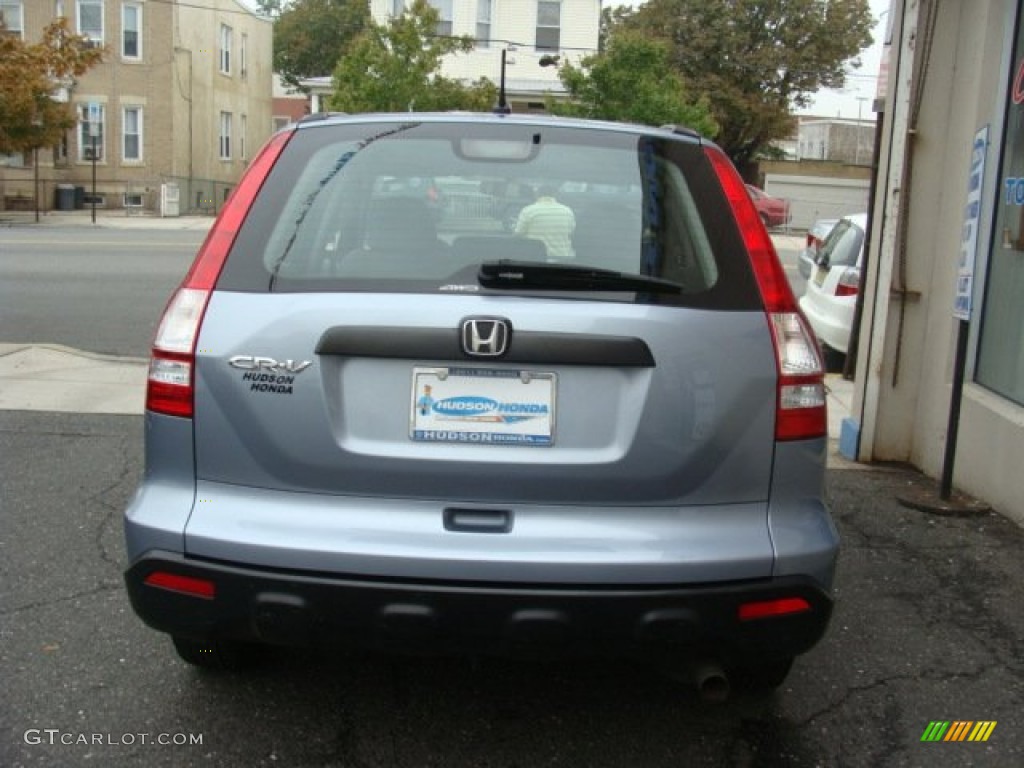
682,130
316,116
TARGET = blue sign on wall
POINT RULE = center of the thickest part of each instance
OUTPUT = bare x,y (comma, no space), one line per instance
969,235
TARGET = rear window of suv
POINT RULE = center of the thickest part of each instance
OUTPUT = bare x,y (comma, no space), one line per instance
417,206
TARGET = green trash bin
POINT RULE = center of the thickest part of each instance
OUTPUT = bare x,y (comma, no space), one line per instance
65,197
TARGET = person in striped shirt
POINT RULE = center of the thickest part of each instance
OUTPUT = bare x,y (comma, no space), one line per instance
549,221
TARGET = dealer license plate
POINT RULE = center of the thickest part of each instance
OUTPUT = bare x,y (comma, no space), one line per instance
486,406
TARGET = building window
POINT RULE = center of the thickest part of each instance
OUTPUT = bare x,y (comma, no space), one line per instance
90,19
397,8
225,49
132,136
132,200
131,31
243,126
12,16
60,151
91,147
279,122
483,24
225,135
13,160
1000,365
243,56
549,25
444,24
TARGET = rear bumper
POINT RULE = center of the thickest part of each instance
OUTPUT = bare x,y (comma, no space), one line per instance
299,609
831,325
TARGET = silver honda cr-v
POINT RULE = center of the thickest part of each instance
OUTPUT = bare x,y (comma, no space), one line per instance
382,409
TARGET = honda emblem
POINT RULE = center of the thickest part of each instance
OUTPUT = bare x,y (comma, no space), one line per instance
485,336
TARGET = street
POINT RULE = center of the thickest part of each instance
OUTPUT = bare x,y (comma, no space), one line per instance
100,290
927,626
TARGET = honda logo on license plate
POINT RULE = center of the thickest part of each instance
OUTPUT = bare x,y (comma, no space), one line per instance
485,336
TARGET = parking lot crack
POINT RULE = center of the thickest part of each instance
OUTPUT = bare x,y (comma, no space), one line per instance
102,588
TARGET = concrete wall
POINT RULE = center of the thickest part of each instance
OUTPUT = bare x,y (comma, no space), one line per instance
818,197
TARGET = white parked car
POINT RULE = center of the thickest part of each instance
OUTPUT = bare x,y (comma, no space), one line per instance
831,294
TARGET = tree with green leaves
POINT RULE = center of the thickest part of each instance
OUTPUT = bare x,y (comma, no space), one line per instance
31,74
310,36
757,60
396,68
632,81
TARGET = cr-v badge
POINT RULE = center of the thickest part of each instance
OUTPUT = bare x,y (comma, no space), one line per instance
265,374
253,363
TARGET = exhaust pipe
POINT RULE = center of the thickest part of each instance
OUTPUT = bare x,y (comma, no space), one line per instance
712,682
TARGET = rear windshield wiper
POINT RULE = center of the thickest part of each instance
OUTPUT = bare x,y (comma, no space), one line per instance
568,277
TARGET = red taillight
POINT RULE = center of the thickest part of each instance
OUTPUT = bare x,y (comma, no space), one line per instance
800,407
169,387
849,282
768,609
186,585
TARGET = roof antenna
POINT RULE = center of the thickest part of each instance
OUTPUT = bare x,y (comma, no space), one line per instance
502,107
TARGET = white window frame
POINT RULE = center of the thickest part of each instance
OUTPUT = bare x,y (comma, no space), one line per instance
14,5
225,136
85,141
225,49
557,28
484,19
139,122
125,8
137,200
445,24
79,4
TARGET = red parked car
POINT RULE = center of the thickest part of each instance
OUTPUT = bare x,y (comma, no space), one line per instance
774,211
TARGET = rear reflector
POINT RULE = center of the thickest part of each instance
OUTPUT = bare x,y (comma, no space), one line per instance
768,609
169,388
186,585
800,411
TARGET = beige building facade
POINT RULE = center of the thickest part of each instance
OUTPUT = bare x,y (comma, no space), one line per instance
182,97
947,252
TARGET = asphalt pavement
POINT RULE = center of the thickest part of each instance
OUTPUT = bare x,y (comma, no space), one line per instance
927,628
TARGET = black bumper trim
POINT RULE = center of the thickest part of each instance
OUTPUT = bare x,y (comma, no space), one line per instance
300,609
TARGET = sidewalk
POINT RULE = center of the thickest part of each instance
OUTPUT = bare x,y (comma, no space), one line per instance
117,219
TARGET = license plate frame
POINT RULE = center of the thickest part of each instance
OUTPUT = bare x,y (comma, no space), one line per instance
483,406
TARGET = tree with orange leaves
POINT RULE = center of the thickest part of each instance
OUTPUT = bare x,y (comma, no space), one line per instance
31,74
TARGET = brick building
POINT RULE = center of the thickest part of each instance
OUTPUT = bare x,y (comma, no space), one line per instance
183,96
